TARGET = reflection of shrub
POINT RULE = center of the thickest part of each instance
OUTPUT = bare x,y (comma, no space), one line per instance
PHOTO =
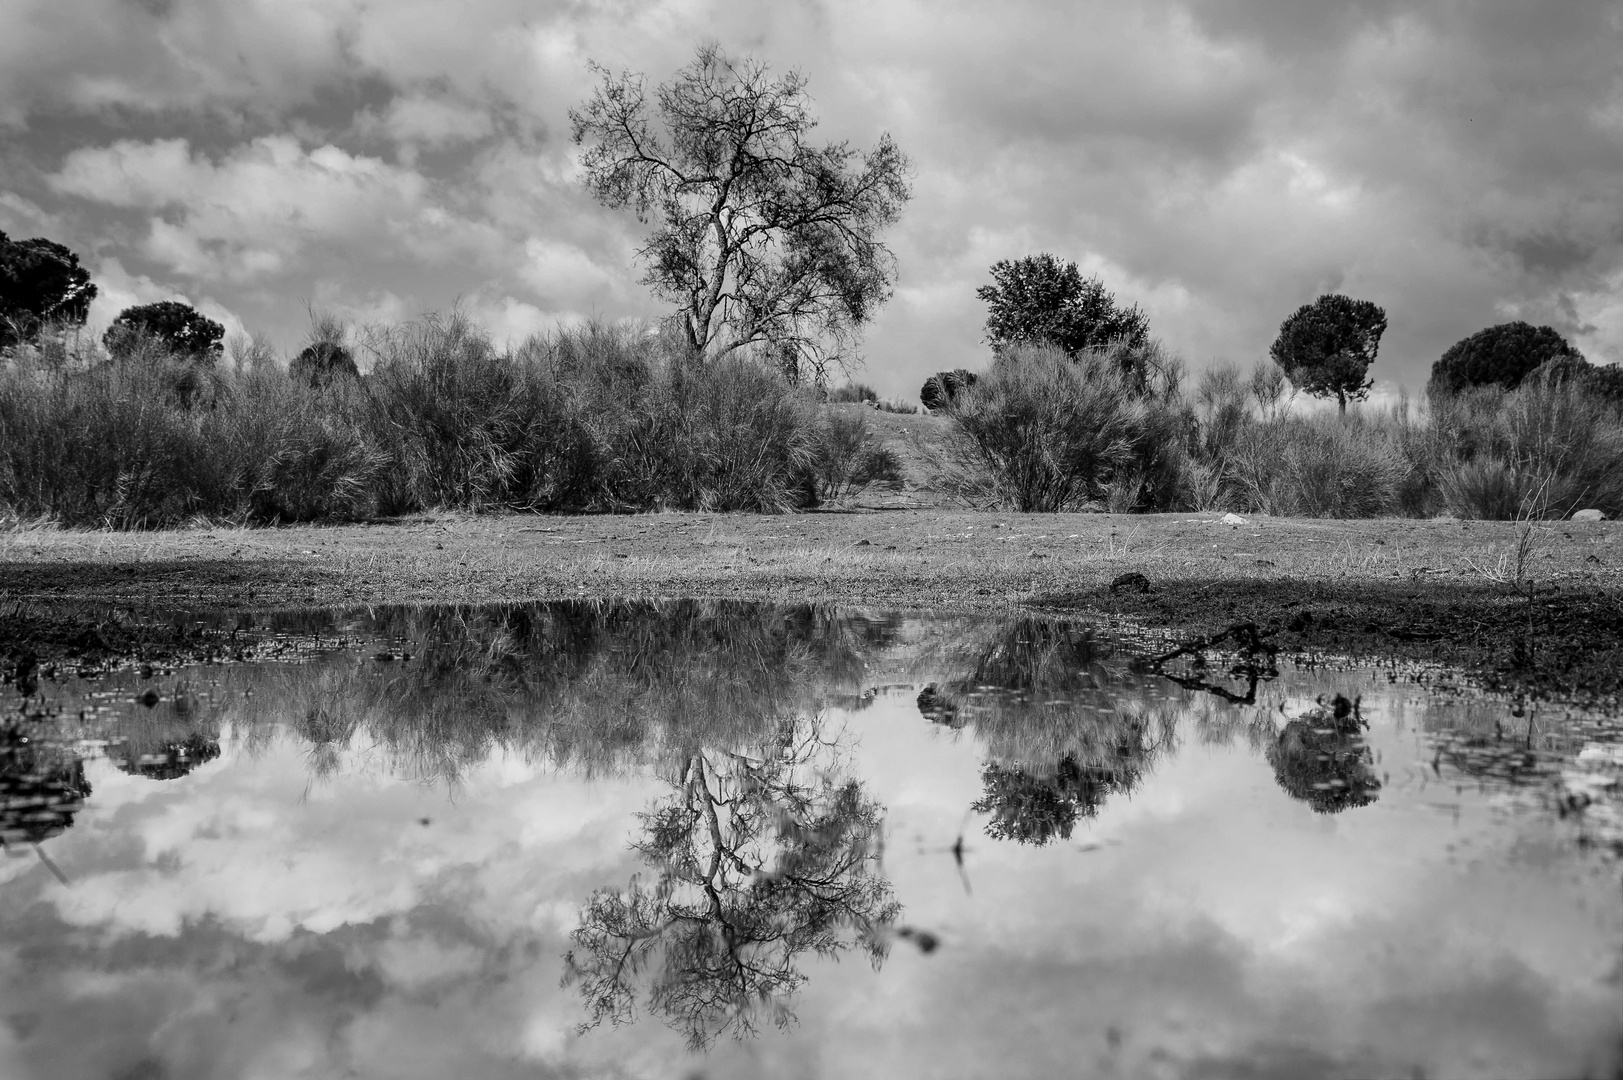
1329,770
170,760
599,686
42,787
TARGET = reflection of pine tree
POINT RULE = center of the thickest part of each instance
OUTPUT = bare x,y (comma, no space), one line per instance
757,862
1326,767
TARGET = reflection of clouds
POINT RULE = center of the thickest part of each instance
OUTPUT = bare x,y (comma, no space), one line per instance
1219,927
1226,926
336,934
232,850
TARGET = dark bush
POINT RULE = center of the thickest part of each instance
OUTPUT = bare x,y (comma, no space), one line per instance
177,328
1605,383
1499,356
940,389
323,363
851,393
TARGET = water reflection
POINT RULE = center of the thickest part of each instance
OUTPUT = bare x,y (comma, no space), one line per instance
1064,723
42,785
383,860
595,686
1321,759
755,861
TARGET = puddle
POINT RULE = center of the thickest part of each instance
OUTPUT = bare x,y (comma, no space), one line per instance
725,840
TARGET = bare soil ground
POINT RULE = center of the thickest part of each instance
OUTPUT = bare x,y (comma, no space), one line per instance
1445,591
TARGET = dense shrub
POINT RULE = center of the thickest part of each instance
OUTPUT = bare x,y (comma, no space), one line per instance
852,393
1499,356
1543,450
1319,466
322,363
1606,384
106,442
1056,432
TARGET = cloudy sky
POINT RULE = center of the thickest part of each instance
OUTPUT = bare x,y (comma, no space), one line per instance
1218,161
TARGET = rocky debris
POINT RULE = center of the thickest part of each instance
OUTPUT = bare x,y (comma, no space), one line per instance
935,707
1233,521
1132,582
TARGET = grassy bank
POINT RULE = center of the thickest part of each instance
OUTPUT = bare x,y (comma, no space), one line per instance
1454,592
1118,429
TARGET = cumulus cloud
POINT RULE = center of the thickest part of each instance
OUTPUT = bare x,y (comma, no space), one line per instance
253,213
117,289
1220,161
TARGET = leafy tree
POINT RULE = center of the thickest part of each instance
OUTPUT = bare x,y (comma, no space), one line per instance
180,328
1041,300
1500,355
1326,347
40,282
761,238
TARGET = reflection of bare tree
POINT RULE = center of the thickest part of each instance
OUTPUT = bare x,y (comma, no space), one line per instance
757,862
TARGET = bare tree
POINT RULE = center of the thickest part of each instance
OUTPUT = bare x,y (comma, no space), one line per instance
761,238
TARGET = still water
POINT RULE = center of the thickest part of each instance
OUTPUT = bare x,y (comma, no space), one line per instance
684,839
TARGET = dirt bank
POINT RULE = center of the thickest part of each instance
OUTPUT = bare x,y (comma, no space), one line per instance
1447,591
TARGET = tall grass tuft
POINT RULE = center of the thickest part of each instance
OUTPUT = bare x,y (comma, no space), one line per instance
602,418
1319,466
1545,449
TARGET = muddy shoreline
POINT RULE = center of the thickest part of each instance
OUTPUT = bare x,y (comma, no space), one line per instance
1532,614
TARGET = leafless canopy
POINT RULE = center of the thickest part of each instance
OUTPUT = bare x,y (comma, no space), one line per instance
761,238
